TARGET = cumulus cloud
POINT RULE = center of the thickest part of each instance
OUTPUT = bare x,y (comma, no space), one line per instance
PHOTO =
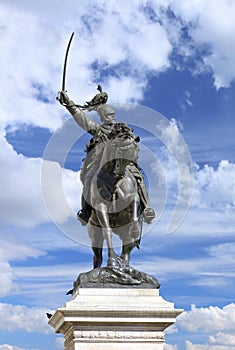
27,80
21,191
120,44
121,38
20,188
61,191
213,192
144,45
211,25
19,317
223,338
214,188
203,319
217,322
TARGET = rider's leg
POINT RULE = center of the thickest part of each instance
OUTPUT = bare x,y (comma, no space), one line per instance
84,214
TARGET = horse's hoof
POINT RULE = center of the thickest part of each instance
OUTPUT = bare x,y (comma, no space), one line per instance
112,262
117,262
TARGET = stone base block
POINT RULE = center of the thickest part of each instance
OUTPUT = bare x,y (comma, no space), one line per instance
114,319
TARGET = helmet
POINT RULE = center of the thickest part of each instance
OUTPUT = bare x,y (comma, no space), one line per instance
105,112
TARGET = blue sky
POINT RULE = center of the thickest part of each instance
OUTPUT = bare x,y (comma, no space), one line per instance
170,57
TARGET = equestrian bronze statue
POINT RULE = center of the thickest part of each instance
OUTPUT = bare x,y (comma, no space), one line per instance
114,197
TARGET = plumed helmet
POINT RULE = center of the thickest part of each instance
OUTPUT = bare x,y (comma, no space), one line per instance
98,104
98,99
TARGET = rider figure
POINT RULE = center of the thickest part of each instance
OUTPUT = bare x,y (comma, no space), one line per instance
100,133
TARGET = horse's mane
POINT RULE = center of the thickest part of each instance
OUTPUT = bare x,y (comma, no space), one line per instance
120,150
121,144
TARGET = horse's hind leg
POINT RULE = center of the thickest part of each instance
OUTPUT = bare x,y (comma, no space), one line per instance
97,241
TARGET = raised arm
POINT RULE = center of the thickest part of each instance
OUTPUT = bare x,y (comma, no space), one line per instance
78,114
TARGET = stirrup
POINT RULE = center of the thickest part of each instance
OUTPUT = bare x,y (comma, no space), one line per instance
149,215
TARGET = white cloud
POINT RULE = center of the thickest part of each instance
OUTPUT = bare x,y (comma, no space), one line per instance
191,346
47,286
213,26
55,272
61,188
30,74
217,322
203,319
60,343
223,338
128,38
213,197
128,88
19,317
12,347
215,269
170,347
12,250
108,34
215,188
20,188
186,101
29,82
21,192
6,278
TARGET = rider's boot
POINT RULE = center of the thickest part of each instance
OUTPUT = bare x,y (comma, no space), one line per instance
84,214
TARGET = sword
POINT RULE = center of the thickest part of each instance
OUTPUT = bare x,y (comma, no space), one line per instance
65,66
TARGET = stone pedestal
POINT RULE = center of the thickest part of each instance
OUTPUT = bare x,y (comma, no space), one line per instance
114,319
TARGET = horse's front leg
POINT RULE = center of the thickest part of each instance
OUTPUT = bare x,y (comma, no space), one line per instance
103,217
126,250
97,240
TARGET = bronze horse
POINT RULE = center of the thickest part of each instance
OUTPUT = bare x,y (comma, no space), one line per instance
115,200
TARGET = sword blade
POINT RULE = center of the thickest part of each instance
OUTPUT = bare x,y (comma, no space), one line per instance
65,62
